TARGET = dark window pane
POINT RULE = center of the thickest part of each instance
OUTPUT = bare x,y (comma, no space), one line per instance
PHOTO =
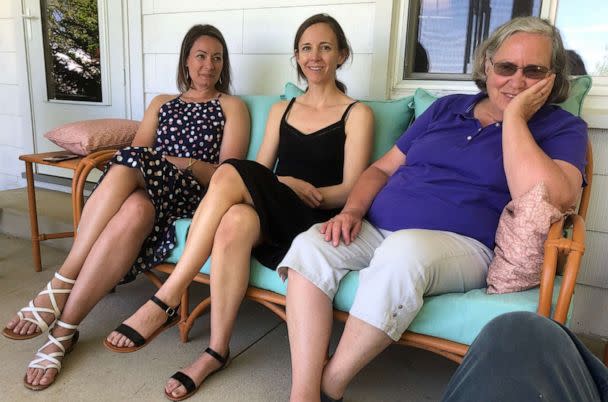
70,32
443,34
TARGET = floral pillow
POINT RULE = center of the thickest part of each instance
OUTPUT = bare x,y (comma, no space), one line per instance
520,237
87,136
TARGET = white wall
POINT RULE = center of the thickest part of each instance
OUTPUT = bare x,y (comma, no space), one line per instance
259,35
14,139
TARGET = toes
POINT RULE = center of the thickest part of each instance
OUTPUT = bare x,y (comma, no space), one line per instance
12,323
48,377
175,388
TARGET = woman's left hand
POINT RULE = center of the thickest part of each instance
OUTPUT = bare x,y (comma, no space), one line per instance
526,103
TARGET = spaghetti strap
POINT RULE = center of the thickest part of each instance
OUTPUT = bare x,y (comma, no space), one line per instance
347,110
284,118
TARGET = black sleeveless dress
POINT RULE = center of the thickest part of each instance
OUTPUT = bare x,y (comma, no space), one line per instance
317,158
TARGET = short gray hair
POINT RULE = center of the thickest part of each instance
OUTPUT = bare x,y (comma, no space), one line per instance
533,25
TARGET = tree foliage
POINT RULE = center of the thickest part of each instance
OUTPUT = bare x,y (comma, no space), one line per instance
71,33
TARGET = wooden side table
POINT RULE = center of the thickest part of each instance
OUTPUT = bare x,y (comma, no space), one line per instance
37,237
81,166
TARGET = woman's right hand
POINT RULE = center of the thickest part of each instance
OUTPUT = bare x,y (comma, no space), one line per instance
306,191
347,224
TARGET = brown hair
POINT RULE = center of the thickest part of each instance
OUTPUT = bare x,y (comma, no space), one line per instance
533,25
184,82
343,45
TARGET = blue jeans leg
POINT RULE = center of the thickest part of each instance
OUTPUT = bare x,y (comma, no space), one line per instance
522,356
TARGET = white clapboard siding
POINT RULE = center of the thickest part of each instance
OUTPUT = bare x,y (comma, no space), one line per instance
590,314
597,215
9,94
8,67
272,30
599,142
164,33
173,6
10,126
594,267
8,33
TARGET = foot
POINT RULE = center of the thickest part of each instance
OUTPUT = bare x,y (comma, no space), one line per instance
46,369
23,327
146,320
197,371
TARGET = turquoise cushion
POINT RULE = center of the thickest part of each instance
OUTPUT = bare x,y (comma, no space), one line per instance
391,119
455,316
259,106
422,100
579,88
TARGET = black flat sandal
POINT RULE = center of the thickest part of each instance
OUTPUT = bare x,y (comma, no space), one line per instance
188,382
135,337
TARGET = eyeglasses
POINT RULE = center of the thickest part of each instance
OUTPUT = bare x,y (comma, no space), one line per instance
532,71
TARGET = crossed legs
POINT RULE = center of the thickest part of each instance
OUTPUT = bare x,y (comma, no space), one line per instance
119,211
226,190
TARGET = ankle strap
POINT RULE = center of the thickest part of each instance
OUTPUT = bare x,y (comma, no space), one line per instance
217,356
66,325
64,279
170,311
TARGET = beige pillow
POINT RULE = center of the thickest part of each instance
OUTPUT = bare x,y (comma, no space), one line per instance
520,237
84,137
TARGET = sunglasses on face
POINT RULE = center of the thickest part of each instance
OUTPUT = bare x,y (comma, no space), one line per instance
507,69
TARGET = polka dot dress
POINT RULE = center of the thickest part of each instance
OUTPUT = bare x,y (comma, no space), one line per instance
187,130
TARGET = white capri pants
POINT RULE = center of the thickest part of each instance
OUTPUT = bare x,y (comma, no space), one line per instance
396,269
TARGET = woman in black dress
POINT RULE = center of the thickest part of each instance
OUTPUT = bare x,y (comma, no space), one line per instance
321,142
127,224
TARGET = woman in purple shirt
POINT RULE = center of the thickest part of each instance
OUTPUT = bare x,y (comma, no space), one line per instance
432,205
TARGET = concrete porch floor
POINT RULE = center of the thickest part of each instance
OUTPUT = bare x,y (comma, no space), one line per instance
260,370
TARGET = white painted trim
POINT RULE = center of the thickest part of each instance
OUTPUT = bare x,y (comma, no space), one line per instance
379,82
134,63
25,104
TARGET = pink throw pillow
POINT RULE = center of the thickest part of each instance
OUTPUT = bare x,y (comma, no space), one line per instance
84,137
520,238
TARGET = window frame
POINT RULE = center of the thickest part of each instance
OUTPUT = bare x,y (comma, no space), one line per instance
595,107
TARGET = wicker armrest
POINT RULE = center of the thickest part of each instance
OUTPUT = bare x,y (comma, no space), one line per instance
94,160
572,248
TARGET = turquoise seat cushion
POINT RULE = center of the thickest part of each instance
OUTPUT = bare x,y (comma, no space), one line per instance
422,100
391,119
458,317
259,106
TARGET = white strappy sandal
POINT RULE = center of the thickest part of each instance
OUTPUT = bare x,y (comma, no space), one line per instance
35,310
51,358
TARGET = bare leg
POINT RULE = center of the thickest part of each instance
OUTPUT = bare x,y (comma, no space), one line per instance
106,200
360,343
309,321
103,268
225,190
237,233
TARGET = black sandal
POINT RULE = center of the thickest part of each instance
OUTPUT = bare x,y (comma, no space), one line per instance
135,337
188,382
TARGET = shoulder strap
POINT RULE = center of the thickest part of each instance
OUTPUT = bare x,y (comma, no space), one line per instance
284,118
347,110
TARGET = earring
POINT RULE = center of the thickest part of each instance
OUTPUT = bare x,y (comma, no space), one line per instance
220,80
187,74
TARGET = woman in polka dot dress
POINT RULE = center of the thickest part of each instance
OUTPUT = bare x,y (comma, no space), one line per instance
127,224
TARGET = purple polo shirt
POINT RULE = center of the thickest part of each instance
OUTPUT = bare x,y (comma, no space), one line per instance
454,179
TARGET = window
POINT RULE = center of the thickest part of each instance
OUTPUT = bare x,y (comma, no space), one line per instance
442,35
585,34
71,48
